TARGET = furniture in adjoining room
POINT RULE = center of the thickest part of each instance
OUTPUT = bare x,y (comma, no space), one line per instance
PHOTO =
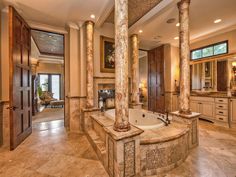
57,103
46,98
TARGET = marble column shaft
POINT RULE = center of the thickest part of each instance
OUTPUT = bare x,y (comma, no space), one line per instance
89,62
135,68
183,6
121,62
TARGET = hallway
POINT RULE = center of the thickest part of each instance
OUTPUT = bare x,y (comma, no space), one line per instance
51,151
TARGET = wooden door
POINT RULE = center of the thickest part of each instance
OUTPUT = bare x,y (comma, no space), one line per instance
156,97
222,75
20,79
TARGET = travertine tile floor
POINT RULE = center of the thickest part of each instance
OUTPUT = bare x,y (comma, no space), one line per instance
50,151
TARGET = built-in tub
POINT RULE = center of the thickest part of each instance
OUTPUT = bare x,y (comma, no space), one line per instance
141,118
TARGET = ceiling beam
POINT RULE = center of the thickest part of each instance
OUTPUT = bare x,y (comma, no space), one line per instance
45,27
106,12
157,10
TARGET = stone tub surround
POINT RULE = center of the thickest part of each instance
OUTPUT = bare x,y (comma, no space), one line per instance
86,123
170,143
192,122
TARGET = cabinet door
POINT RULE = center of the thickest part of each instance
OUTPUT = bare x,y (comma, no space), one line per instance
207,109
175,103
194,106
233,110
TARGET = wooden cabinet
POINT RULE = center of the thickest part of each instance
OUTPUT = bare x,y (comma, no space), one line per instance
194,106
213,109
207,109
203,105
156,90
175,102
233,110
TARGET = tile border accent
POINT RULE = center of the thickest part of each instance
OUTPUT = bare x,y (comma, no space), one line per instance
129,154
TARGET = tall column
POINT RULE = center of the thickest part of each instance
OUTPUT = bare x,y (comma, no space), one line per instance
89,25
135,68
121,70
183,6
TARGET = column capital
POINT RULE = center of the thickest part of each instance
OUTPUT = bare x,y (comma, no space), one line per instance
89,22
183,4
134,35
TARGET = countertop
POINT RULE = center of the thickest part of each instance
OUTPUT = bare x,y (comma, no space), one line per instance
213,95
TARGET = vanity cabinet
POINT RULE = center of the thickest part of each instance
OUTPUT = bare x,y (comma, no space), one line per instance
233,110
203,105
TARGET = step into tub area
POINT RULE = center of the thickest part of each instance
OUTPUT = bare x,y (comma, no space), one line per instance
148,152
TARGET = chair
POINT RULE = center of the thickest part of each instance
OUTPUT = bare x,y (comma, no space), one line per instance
46,98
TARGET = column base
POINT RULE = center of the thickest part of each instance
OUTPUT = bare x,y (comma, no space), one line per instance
121,127
185,112
136,105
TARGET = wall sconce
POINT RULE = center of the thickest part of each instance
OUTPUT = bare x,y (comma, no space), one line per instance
234,67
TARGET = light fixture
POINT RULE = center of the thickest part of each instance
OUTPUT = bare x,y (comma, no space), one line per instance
140,31
176,38
177,24
217,21
92,16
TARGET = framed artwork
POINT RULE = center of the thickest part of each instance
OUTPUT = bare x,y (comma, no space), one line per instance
107,58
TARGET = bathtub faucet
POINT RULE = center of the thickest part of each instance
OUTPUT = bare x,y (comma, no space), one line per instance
166,121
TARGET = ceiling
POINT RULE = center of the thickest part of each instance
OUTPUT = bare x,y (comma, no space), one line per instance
202,15
48,43
58,12
136,10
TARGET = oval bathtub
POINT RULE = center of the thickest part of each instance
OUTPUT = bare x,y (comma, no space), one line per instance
141,118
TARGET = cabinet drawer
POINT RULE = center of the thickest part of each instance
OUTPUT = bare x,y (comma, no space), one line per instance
221,112
221,100
222,118
221,106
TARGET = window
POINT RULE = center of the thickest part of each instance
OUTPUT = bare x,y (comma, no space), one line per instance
51,83
209,51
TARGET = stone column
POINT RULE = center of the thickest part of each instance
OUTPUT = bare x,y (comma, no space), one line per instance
184,103
89,25
135,68
121,70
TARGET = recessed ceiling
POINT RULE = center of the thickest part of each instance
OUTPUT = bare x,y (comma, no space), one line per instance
203,13
48,43
58,12
136,9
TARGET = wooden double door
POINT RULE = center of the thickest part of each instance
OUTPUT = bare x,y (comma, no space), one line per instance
156,88
20,79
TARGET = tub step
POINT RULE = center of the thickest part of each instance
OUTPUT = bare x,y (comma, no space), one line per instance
98,145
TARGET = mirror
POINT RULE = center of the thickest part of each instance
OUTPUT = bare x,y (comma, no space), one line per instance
211,76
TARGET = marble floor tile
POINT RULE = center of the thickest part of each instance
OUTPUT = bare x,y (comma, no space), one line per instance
51,151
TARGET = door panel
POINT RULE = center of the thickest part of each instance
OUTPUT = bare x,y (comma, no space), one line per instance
156,80
20,78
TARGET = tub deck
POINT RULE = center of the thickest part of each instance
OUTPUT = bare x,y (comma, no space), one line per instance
163,134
